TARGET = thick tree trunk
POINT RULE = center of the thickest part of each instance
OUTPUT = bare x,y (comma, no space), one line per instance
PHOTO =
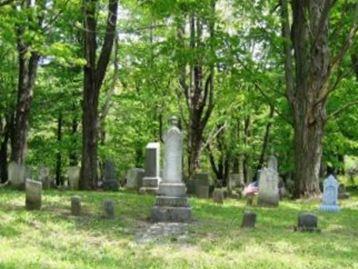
94,73
73,154
3,157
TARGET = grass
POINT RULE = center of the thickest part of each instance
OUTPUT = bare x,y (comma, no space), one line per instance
52,238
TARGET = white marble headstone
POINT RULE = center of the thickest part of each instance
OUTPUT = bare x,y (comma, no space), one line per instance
173,155
330,195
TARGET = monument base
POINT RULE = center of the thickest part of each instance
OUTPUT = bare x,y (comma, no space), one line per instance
171,214
150,185
268,201
329,208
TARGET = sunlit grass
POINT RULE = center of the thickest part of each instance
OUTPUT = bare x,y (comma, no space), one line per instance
52,238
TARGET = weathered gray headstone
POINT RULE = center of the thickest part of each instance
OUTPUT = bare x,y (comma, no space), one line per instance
307,222
268,184
152,178
33,194
134,178
218,196
73,173
248,220
16,175
108,209
234,181
109,171
172,204
44,177
202,192
330,195
75,205
342,192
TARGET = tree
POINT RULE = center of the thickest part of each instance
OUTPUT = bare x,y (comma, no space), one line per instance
308,74
94,74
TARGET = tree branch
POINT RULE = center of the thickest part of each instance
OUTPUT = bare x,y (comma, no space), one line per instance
339,110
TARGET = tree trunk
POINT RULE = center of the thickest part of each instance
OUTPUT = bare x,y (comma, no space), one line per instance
94,73
4,153
73,154
307,74
59,152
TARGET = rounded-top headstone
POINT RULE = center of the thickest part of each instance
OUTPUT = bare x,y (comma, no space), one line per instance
307,222
173,121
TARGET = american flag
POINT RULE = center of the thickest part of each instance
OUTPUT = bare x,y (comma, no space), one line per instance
251,189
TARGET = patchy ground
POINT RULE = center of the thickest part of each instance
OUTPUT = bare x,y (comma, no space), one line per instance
52,238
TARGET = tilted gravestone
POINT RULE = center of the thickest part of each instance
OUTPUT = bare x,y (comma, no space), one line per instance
134,178
44,177
75,205
268,184
330,195
151,180
307,222
110,182
248,220
218,196
108,209
73,173
33,194
16,175
172,202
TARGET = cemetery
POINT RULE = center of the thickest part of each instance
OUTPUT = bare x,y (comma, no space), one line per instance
178,134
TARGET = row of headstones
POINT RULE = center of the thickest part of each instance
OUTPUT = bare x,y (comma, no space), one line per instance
306,222
33,200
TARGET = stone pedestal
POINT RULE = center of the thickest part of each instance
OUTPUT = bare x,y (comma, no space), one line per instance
172,203
151,180
33,194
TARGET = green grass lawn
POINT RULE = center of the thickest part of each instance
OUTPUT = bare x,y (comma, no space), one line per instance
52,238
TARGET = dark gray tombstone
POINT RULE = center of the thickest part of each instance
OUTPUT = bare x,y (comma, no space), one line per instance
134,178
33,194
108,209
110,185
307,222
151,180
75,205
202,192
109,170
218,196
248,220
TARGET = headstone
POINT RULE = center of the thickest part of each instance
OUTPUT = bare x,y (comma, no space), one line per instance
75,205
110,185
268,184
44,177
33,194
330,195
151,180
172,203
248,220
342,193
134,178
16,175
109,171
73,173
234,181
202,192
108,209
218,196
307,222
